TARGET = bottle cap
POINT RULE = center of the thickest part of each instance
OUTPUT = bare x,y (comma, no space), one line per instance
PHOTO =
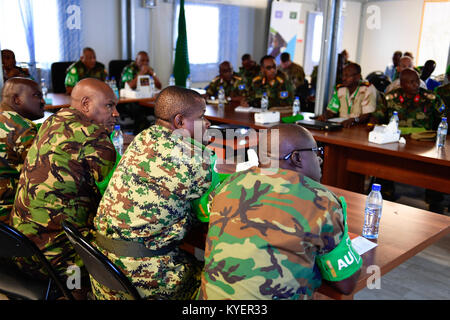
444,118
117,127
376,187
297,98
395,112
265,94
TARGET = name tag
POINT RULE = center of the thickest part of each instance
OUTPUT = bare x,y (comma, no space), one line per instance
284,94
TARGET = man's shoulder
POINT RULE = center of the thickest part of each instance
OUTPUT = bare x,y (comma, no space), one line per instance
215,80
75,67
12,119
257,80
427,94
394,94
445,88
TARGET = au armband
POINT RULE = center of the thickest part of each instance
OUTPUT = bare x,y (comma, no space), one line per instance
343,261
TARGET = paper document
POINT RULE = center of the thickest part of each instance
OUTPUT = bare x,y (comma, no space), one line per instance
337,120
247,109
361,244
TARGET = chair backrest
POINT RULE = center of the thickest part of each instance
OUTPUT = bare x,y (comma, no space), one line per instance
379,80
97,264
13,243
58,71
115,69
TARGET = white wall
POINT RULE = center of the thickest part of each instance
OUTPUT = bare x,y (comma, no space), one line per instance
351,17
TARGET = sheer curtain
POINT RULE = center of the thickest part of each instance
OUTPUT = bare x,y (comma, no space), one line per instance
26,11
70,29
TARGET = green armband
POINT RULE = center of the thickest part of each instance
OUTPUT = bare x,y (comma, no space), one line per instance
343,261
334,104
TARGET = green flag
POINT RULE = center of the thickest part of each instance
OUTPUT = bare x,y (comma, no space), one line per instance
181,66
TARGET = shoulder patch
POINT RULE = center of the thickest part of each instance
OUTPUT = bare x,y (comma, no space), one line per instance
257,78
237,78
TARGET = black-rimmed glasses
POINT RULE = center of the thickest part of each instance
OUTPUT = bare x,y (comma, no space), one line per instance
317,150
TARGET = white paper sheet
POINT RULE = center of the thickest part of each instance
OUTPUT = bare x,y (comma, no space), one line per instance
362,245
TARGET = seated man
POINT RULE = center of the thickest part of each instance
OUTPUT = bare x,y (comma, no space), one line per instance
10,69
86,67
21,103
296,75
354,99
425,74
249,69
405,62
272,229
233,84
391,71
70,155
416,107
139,67
444,90
146,207
275,83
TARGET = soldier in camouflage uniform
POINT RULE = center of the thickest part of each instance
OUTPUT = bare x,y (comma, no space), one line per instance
146,206
416,107
249,69
233,84
443,91
21,102
71,152
278,87
139,67
86,67
10,70
294,71
269,225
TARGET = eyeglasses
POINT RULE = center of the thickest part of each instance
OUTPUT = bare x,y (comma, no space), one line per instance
317,150
270,67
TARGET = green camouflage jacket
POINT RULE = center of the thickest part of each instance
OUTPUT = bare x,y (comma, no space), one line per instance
69,155
235,87
265,232
148,201
129,73
422,111
78,71
280,90
444,92
16,136
295,73
248,75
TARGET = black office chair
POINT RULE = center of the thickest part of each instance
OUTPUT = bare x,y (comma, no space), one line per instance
97,264
115,69
16,284
58,71
379,80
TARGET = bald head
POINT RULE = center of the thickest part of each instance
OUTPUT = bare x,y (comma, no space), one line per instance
96,100
405,62
24,96
291,139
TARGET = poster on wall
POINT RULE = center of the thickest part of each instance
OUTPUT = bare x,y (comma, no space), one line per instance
285,29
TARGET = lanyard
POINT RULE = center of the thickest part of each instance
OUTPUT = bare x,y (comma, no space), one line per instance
349,106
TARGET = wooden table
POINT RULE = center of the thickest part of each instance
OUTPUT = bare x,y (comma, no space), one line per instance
404,232
349,156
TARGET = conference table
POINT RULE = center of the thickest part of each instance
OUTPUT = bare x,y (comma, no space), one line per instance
349,157
404,231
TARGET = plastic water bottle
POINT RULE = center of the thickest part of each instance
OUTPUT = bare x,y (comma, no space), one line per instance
296,106
188,82
372,215
221,97
44,88
442,133
264,102
394,118
108,81
118,139
113,84
171,80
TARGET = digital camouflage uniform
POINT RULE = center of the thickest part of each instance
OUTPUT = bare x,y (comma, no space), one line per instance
444,93
248,75
16,136
235,87
78,71
265,233
129,73
362,101
295,73
69,155
148,201
280,90
422,111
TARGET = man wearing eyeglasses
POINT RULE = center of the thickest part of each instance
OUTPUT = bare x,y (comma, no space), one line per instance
21,103
275,83
276,232
353,100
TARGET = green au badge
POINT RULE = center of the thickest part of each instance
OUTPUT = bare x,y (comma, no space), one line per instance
293,15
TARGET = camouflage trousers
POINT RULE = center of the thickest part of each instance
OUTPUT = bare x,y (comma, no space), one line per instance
175,276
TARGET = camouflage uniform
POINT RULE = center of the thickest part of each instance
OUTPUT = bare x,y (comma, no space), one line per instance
423,111
148,201
295,73
69,155
129,73
235,87
362,101
444,93
265,233
248,75
279,90
78,71
16,136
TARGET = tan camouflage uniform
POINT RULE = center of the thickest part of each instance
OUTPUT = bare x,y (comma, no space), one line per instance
16,136
148,201
265,233
69,155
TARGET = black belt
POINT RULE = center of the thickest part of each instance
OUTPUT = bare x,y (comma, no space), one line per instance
131,249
